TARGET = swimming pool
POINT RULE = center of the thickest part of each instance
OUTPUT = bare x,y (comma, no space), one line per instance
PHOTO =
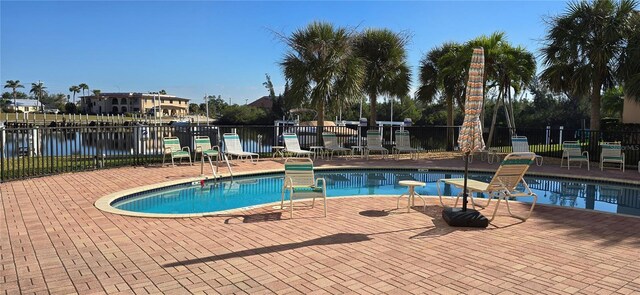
193,198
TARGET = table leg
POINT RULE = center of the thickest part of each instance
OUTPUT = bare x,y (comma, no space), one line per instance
410,201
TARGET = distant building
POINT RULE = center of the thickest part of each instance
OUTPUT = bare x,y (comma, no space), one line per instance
132,102
264,102
631,111
23,105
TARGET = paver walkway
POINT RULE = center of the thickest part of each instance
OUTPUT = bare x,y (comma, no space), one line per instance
52,240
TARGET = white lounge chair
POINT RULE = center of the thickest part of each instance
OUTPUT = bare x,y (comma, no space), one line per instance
374,144
611,153
331,144
507,183
233,147
572,151
520,144
403,145
174,150
300,182
292,145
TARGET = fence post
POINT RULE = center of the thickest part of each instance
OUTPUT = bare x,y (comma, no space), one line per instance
547,138
560,140
2,156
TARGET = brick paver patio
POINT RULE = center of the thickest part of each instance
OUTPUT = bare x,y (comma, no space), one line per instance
53,240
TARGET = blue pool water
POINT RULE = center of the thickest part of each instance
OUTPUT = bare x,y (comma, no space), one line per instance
250,191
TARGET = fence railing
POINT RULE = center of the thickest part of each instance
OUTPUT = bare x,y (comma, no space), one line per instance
37,151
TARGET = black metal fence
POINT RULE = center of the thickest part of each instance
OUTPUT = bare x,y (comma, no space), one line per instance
36,151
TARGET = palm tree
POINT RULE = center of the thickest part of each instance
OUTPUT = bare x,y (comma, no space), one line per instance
629,71
386,70
74,89
14,85
96,94
514,69
443,72
584,46
322,68
37,89
492,45
83,87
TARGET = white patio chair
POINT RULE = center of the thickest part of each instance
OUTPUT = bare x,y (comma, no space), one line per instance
292,145
374,144
403,145
331,144
173,148
572,151
300,182
233,147
520,144
611,153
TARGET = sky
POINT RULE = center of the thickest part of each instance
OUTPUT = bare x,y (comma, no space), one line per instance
193,48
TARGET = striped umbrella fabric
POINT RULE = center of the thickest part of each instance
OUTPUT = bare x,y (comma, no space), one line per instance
470,138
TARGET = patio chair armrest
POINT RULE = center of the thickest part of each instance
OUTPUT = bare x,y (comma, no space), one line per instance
215,147
168,150
324,185
586,153
187,148
198,149
288,182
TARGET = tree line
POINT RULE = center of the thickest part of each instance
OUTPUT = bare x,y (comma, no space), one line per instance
590,49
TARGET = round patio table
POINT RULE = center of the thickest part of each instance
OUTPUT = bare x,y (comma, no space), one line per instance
411,194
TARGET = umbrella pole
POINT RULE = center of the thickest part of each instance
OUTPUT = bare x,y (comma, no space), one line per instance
466,176
463,216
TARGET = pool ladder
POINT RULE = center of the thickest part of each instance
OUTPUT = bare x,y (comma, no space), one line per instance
214,169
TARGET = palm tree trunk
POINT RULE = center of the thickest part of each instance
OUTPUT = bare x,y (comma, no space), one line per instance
595,104
506,104
374,105
511,113
449,122
15,105
320,125
495,115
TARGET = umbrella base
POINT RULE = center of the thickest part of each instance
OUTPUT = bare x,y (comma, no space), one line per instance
469,218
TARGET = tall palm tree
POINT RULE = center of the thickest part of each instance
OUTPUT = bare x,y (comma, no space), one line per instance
629,71
74,89
14,85
37,89
322,67
96,94
386,69
583,48
443,73
83,87
514,69
492,45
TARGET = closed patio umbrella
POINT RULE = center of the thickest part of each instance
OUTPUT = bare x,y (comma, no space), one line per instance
470,140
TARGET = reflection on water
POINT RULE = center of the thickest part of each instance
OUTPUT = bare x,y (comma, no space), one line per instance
259,190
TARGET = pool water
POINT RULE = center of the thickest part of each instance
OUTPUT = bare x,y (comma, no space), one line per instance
257,190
